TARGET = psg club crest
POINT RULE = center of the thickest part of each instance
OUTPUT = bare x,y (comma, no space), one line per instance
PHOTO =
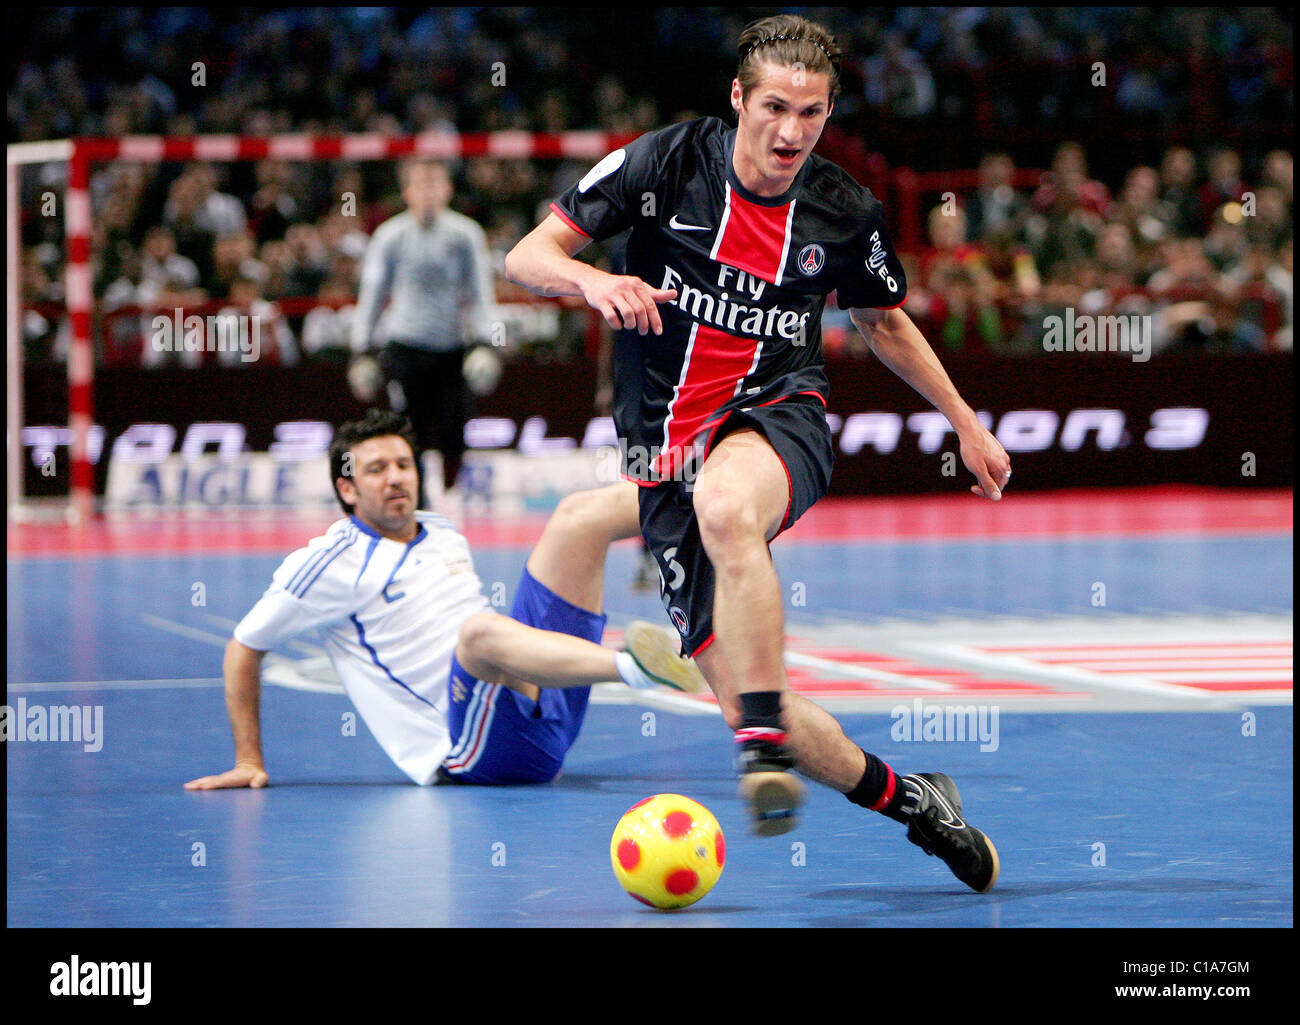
679,620
812,258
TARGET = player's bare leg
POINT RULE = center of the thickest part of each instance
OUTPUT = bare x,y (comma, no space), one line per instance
821,749
570,557
569,560
740,497
749,640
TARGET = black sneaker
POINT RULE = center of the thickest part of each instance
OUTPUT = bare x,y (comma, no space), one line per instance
773,792
938,829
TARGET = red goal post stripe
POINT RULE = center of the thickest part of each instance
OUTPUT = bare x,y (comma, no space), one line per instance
516,145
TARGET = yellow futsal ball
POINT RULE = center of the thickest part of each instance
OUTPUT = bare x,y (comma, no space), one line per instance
667,851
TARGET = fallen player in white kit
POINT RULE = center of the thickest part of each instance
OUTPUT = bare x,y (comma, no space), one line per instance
452,691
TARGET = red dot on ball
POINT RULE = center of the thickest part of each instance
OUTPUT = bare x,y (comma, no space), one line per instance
721,848
677,823
629,854
644,800
681,881
647,903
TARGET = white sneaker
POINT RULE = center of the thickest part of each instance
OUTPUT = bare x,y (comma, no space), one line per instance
655,652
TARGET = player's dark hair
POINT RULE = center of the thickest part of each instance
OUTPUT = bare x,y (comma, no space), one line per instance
377,423
787,40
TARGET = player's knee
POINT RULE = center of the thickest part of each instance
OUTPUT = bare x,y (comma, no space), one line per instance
476,636
727,522
577,512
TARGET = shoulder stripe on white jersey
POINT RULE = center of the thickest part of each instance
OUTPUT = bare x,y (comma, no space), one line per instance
324,565
343,540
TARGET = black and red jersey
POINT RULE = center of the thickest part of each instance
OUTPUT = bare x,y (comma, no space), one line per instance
751,272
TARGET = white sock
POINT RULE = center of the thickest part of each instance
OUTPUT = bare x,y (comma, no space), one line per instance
632,674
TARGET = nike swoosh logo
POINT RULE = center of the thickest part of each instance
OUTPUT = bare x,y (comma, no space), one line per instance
947,813
675,223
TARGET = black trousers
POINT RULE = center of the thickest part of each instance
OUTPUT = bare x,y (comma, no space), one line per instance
437,400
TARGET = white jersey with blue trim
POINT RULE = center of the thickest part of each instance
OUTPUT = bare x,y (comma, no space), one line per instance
389,613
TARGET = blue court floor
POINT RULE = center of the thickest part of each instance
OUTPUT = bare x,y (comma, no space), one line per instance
1158,796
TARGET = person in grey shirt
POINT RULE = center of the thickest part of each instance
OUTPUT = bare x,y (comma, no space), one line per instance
432,266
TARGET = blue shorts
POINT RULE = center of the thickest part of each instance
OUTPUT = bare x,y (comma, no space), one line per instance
500,736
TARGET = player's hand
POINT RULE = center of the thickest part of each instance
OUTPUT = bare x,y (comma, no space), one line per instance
988,460
244,774
625,301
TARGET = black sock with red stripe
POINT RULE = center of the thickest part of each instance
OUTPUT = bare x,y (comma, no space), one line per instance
880,789
761,736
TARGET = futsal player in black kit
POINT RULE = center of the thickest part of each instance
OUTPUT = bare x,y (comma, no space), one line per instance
737,237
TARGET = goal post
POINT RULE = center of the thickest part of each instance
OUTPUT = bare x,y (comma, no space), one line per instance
80,155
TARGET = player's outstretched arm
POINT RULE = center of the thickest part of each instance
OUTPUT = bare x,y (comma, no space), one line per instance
900,345
242,668
543,262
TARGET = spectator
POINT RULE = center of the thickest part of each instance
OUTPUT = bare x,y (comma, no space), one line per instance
310,260
1068,181
263,321
181,215
218,212
1138,206
163,269
1187,269
273,209
327,329
1224,185
1067,223
1281,275
235,256
968,318
898,82
1178,202
1270,226
995,204
1012,266
949,247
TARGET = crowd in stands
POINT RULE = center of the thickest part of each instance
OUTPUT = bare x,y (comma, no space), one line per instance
1196,232
1207,257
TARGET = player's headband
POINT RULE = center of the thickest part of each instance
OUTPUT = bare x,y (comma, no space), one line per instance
834,58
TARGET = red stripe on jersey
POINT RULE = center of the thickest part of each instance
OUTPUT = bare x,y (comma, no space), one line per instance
707,641
715,364
567,220
754,238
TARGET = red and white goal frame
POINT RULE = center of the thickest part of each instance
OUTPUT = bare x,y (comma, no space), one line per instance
81,154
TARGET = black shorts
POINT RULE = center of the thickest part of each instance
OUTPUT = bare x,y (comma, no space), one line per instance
796,429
